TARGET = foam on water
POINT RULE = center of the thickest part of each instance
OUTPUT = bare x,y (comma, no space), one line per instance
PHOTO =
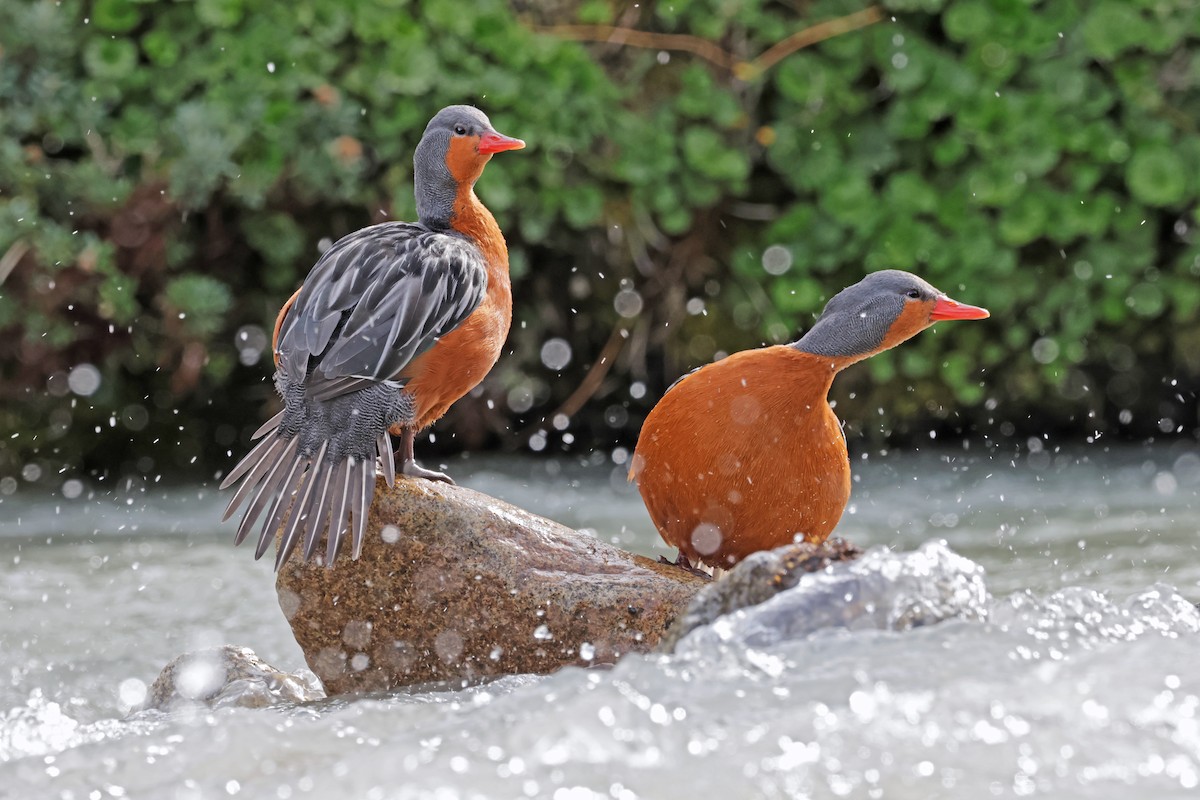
1072,694
1071,680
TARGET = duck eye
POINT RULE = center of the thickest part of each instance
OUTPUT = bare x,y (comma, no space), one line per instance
460,129
913,293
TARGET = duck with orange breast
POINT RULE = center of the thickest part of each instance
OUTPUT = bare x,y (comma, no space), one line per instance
394,323
745,454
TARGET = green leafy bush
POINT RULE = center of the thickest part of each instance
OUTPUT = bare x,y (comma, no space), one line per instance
168,170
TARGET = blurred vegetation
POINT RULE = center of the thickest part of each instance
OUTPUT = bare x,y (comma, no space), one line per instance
169,171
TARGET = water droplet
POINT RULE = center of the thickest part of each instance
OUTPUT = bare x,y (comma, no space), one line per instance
706,538
628,303
777,259
556,354
132,692
84,380
1045,350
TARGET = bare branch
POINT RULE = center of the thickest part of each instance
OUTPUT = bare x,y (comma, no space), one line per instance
622,36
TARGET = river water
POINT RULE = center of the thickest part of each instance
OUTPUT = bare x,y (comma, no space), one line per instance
1080,680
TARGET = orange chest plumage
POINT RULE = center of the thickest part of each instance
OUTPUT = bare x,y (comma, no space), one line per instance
744,455
462,357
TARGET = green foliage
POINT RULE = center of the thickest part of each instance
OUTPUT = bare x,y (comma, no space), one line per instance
201,302
168,170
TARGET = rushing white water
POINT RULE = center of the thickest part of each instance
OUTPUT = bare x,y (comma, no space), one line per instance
1073,675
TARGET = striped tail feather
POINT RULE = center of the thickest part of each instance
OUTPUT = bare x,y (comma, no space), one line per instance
313,493
266,489
317,472
269,425
360,513
337,517
289,487
335,497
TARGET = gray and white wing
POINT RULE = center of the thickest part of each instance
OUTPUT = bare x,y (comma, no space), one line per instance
377,299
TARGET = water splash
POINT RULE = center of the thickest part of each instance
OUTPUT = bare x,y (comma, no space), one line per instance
880,590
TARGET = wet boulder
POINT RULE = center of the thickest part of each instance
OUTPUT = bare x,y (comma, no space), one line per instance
454,586
226,677
792,591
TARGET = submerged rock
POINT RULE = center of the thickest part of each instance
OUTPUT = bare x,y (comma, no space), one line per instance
776,596
225,677
758,578
453,585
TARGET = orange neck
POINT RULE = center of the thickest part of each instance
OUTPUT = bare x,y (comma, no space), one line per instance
821,368
472,219
816,373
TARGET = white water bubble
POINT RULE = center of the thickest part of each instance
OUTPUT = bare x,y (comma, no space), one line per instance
628,303
31,472
587,651
72,488
132,692
706,538
1165,483
200,677
250,340
1045,350
616,416
777,259
556,354
84,380
520,398
1187,469
390,534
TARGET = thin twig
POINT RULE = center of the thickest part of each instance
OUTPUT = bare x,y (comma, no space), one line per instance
15,253
613,34
816,33
618,35
591,382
